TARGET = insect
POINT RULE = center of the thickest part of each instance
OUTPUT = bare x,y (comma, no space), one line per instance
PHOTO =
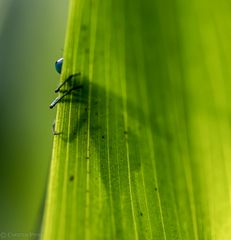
58,67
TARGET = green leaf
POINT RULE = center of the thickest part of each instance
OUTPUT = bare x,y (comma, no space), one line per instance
144,146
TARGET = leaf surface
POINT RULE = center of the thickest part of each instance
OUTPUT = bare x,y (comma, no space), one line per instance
144,149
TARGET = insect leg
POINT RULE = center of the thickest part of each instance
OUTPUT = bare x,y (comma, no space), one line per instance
68,79
58,99
53,129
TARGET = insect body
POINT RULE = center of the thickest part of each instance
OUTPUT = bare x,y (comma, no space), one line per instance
58,65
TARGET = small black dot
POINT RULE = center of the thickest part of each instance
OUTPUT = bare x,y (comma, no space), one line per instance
71,178
102,137
141,214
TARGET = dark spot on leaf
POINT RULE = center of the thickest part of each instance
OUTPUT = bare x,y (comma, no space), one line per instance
155,189
141,214
83,27
125,132
102,137
71,178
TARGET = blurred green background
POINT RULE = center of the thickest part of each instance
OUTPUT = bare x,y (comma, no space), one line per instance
31,39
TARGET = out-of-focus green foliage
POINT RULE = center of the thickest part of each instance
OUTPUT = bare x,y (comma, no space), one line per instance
144,147
31,39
